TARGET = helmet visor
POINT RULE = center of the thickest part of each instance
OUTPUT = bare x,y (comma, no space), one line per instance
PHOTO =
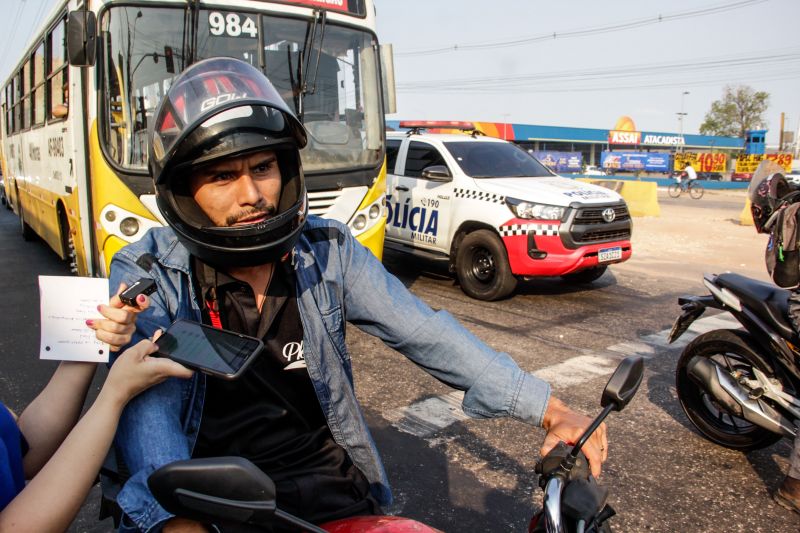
208,88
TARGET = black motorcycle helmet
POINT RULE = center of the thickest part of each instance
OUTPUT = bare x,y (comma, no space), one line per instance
768,187
216,109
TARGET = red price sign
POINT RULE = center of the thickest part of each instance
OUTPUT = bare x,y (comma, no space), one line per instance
702,162
749,163
784,160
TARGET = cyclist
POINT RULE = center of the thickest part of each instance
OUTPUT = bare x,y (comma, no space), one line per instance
691,175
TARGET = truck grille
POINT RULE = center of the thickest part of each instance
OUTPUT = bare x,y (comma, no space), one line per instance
587,226
601,236
594,215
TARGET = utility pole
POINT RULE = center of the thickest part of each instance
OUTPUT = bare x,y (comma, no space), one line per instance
780,134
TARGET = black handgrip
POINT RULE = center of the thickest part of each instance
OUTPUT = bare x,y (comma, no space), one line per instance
551,464
401,188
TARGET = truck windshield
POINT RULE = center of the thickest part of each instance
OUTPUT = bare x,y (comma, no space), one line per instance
495,160
331,82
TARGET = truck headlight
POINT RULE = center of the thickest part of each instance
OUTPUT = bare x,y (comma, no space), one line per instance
530,210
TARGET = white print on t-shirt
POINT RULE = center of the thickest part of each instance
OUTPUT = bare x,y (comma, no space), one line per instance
293,353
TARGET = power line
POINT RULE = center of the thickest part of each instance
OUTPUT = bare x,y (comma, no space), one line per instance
597,30
36,19
14,27
568,88
781,59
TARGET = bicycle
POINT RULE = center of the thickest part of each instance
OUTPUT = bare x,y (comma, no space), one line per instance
693,187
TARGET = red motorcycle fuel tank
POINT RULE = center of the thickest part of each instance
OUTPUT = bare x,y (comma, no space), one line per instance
377,524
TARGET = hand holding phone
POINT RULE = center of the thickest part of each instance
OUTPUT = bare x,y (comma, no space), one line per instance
217,352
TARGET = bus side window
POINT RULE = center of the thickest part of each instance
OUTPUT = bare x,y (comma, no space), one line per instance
38,85
57,73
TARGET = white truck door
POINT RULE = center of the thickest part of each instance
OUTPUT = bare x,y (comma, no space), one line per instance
429,211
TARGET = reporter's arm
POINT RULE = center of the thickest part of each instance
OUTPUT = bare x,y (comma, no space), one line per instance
52,499
47,421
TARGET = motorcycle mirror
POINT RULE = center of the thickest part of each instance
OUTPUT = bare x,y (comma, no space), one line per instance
623,383
216,490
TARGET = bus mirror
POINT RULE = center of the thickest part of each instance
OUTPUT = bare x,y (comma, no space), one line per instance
387,81
82,38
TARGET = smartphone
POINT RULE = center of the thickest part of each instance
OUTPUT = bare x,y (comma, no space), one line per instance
217,352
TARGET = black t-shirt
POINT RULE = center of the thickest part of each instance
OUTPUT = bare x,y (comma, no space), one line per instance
271,415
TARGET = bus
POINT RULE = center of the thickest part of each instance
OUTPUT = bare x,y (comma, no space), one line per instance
77,107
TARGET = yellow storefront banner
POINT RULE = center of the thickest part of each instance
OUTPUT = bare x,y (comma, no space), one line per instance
747,163
702,161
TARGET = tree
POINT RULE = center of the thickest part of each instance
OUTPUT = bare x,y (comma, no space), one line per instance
740,109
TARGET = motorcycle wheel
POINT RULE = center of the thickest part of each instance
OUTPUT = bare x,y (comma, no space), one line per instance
731,350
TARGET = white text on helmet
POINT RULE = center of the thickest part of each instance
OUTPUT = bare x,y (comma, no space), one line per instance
220,99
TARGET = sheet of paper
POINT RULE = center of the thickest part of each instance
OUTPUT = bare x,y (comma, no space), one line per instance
66,302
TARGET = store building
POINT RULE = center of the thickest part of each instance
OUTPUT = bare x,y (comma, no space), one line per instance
591,143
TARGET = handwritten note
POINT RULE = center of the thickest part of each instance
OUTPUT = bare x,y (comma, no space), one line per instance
66,303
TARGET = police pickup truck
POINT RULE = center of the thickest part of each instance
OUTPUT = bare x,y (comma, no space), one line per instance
495,213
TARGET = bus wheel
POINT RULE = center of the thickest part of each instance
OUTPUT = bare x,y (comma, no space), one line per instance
27,232
72,256
482,266
68,244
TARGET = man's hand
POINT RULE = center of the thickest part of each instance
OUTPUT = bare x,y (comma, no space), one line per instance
120,320
564,424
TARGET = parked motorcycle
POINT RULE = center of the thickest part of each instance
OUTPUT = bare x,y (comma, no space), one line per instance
740,388
235,495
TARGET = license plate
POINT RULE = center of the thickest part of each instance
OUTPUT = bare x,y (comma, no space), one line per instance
609,254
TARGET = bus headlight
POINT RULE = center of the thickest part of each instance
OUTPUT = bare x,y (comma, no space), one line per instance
129,226
360,222
123,224
367,217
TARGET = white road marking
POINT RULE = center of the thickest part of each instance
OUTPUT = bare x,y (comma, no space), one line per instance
426,417
576,370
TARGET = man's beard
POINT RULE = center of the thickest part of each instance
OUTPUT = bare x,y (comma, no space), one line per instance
261,208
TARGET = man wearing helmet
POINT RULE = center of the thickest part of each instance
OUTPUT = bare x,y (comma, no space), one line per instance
768,193
241,253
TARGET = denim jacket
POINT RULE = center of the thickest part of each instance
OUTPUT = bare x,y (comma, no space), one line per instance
338,281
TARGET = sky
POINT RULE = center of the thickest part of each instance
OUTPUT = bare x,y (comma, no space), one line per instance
577,63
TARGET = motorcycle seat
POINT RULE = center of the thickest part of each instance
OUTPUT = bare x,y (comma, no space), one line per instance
768,302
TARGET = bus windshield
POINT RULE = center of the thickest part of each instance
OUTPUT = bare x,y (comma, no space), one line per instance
327,74
496,160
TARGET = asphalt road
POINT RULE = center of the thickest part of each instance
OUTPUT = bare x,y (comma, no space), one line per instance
477,475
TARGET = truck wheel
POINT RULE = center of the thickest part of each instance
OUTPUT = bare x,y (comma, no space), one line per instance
585,276
482,266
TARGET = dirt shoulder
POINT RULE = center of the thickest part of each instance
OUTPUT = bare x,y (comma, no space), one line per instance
692,237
